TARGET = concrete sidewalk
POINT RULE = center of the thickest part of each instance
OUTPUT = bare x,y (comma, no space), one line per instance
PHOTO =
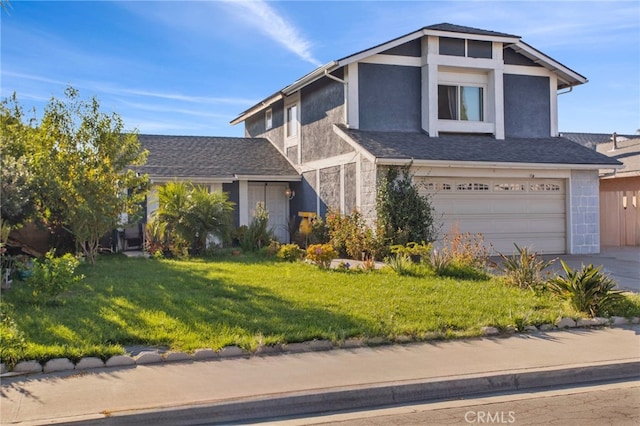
295,384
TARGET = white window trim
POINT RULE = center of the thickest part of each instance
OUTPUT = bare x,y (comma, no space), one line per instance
451,77
290,101
268,119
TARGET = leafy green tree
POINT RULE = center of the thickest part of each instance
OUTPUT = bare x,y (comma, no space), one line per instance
16,180
80,160
404,215
192,214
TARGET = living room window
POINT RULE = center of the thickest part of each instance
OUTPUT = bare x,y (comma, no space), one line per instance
464,103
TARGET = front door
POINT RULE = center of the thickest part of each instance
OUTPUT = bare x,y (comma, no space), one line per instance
272,194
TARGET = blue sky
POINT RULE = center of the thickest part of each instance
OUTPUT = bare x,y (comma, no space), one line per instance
188,68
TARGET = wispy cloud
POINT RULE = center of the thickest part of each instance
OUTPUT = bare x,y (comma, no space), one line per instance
267,20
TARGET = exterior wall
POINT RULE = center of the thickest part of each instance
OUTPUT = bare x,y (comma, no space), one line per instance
527,103
322,106
232,190
389,97
350,187
584,212
255,126
368,182
330,188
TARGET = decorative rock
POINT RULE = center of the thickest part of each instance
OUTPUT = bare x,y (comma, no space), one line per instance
619,321
148,357
377,341
602,321
530,329
204,354
28,367
3,368
353,343
321,345
269,349
120,361
510,329
587,322
635,320
490,331
89,362
566,323
297,347
546,327
58,364
177,357
231,352
403,339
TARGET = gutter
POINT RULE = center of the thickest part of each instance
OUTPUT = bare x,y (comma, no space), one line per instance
492,165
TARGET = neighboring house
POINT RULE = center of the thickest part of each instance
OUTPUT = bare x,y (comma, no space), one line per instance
473,111
619,190
250,170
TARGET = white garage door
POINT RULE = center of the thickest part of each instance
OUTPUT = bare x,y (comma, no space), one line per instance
273,196
505,211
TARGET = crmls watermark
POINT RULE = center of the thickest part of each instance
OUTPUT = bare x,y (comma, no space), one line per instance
488,417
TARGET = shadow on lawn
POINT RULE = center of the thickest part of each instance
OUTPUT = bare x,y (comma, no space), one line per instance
181,306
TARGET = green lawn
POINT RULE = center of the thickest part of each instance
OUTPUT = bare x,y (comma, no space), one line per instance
190,304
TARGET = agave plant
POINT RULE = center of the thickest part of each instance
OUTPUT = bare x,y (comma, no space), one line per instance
525,268
587,289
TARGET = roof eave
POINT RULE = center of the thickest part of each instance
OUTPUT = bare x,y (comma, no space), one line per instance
492,164
269,178
567,75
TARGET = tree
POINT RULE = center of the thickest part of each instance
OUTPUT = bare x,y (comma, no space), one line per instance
192,214
403,214
81,162
16,180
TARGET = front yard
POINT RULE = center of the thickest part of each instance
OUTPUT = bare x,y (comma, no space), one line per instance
249,301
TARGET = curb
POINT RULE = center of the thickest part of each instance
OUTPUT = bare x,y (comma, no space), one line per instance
147,357
315,402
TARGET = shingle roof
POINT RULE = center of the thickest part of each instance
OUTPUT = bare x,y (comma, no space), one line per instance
211,157
419,146
591,140
627,151
466,30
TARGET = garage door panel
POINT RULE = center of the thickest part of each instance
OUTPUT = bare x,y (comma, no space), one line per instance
532,216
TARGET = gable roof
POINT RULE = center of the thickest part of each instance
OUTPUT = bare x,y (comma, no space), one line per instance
566,76
213,158
400,147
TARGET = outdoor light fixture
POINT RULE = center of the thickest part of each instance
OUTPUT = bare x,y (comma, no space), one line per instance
624,201
289,193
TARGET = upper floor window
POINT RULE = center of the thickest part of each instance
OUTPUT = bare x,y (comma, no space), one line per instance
462,47
464,103
268,119
292,121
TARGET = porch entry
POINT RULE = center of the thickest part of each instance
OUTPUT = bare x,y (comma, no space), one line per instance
272,194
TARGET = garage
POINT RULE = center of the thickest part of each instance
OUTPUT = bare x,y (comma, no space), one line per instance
528,212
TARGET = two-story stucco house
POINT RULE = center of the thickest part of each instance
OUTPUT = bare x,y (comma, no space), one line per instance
473,111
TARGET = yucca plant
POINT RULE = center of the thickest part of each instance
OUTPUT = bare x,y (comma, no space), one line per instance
401,264
588,290
524,269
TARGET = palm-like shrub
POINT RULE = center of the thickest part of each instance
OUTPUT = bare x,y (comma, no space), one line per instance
192,214
524,269
588,290
258,234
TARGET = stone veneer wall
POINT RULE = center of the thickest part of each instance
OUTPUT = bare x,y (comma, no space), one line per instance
368,182
585,212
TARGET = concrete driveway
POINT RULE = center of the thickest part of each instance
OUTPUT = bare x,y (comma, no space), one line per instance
621,263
